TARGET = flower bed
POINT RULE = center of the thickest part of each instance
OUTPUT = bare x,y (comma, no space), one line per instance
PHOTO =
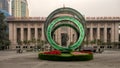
73,56
55,52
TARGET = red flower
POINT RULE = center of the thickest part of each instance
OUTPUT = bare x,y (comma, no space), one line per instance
55,52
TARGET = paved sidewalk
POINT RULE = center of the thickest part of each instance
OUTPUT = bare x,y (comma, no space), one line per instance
107,59
4,55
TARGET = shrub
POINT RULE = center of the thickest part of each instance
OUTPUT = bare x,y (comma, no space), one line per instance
73,56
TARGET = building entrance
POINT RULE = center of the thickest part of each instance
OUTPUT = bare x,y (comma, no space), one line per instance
64,39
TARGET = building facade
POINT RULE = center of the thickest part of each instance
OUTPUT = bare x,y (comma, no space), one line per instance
27,28
20,8
4,5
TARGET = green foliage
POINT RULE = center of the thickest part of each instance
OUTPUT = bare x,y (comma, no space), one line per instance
4,40
103,43
33,40
93,42
20,42
40,42
66,57
115,43
97,41
85,42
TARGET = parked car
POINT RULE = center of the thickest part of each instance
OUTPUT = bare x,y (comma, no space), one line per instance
95,49
89,49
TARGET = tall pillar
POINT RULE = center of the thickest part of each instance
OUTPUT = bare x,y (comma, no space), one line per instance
15,36
22,34
69,35
42,28
91,33
36,33
11,35
105,33
11,32
113,33
59,36
116,31
98,33
29,34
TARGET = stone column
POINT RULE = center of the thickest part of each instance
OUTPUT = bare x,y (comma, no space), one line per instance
105,33
36,33
98,33
11,32
11,35
15,36
69,35
42,28
91,33
116,31
29,34
112,33
59,36
22,34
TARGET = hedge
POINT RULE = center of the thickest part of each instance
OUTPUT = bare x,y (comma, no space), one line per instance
66,57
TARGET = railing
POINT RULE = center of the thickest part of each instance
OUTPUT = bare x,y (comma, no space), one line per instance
102,18
44,18
26,18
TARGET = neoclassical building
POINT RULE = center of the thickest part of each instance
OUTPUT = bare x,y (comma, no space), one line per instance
27,28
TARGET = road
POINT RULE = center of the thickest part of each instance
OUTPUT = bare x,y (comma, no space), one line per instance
108,59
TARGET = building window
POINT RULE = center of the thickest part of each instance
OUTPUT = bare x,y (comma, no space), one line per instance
39,33
102,34
18,34
73,37
108,34
25,33
88,34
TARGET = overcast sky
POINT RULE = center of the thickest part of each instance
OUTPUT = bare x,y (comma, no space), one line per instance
85,7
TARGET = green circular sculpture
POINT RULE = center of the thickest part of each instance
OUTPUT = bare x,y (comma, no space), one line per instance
71,47
60,11
77,19
65,17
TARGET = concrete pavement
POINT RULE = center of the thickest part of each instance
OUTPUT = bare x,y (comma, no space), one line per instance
108,59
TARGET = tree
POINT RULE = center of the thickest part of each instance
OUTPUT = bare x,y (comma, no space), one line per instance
40,43
20,42
92,42
4,40
25,42
86,43
99,42
33,41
